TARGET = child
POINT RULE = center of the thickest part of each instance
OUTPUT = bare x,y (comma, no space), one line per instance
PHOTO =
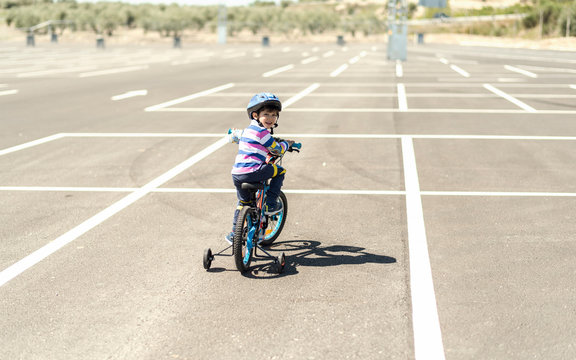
255,143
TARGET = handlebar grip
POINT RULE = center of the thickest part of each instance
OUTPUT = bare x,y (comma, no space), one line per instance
297,146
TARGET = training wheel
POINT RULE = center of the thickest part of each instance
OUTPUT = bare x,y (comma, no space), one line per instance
207,260
280,263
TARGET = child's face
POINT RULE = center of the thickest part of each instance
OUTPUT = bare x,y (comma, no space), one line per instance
268,118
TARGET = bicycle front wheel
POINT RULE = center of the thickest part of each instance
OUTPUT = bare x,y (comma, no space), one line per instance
275,222
246,227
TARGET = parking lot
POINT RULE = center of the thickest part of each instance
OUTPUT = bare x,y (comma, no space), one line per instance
429,210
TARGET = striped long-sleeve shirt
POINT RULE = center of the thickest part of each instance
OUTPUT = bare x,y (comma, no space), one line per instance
254,146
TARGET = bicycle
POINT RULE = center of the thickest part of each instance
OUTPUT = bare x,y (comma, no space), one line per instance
254,229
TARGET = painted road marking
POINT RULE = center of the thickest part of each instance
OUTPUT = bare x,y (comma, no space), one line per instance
313,136
510,98
573,87
339,70
54,71
34,258
520,71
331,136
384,84
498,193
66,189
168,135
384,110
460,71
112,71
8,92
549,69
31,144
309,60
399,70
402,102
425,322
291,191
278,70
354,60
130,94
189,97
300,95
195,190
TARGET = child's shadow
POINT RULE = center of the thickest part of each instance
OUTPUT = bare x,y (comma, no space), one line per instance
312,253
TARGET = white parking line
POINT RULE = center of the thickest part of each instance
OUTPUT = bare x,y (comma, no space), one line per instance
309,60
339,70
130,94
399,69
189,97
498,193
290,191
112,71
425,323
354,60
304,135
520,71
66,189
278,70
34,258
386,110
573,87
168,135
54,71
510,98
460,71
8,92
31,144
300,95
402,101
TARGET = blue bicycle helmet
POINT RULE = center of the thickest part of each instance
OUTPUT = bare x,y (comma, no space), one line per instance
262,100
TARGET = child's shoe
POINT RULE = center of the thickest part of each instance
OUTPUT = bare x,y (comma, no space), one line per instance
273,209
229,238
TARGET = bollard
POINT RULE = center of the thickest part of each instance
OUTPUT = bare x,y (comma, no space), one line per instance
177,42
54,38
100,43
265,41
30,40
420,38
340,41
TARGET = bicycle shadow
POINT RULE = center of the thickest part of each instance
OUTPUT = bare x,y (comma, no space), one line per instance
312,253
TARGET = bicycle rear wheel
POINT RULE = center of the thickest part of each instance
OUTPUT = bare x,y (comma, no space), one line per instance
275,222
246,225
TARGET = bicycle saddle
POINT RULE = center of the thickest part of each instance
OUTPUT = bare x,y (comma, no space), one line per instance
252,186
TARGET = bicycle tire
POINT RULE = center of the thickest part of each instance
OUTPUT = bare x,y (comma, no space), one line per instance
245,220
275,227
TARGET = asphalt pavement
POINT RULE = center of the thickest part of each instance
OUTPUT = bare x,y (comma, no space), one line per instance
430,211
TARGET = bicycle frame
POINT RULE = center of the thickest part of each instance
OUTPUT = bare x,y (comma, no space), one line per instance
257,231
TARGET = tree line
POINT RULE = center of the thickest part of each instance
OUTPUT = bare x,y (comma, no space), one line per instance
552,17
173,20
